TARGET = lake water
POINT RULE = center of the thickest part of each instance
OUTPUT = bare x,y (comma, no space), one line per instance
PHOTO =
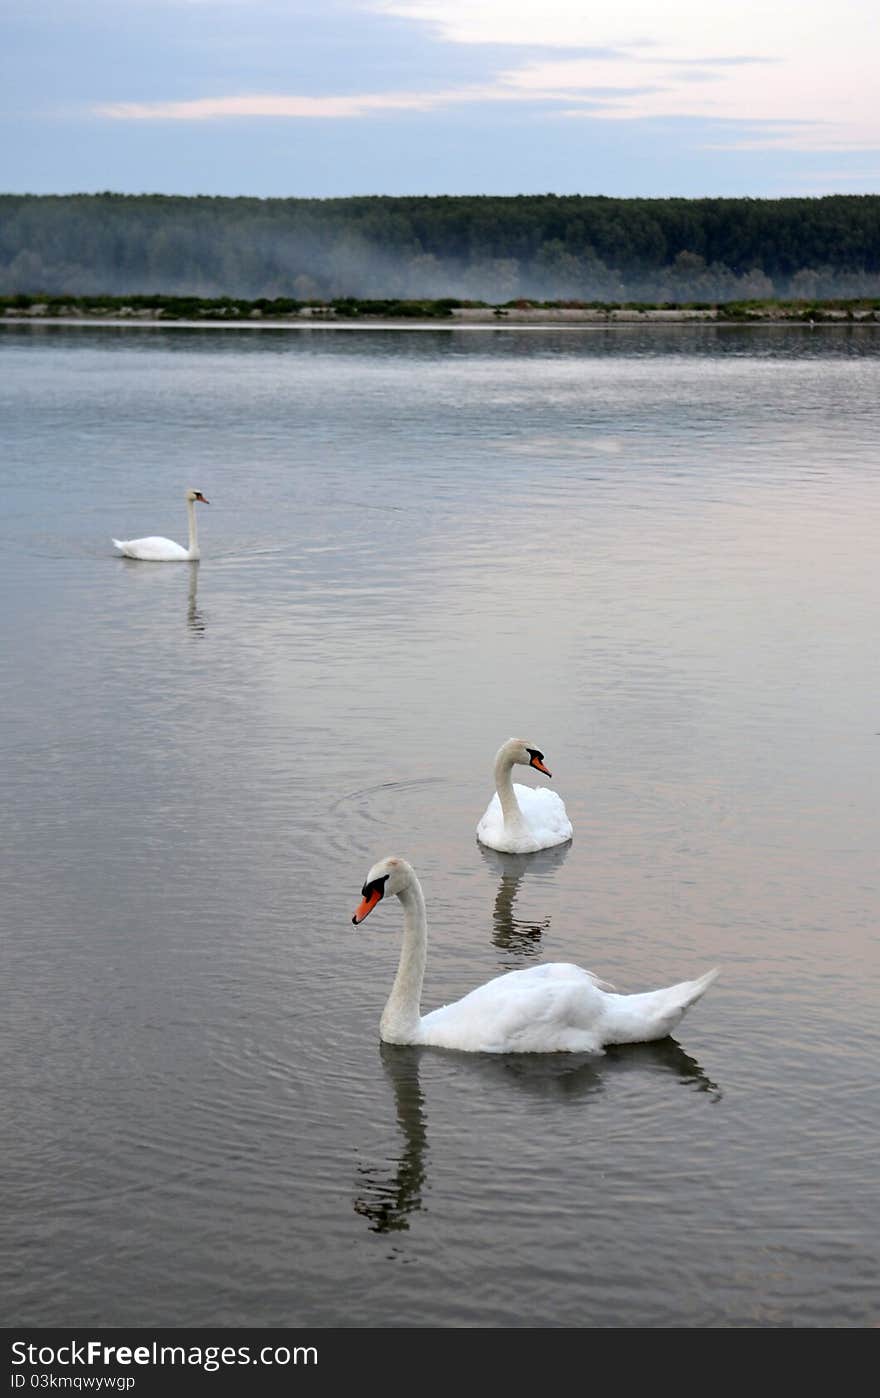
651,554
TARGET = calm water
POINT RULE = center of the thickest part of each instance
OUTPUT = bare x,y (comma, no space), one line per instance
652,555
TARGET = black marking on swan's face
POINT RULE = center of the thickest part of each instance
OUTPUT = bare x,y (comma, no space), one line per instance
536,760
373,892
375,886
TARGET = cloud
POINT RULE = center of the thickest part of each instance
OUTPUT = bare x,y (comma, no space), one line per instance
513,87
689,27
268,105
795,75
801,108
794,61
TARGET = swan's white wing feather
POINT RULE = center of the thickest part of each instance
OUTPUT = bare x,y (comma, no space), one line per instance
153,549
636,1019
547,1009
556,1008
544,814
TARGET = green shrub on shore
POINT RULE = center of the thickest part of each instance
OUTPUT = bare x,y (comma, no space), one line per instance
284,308
226,307
851,309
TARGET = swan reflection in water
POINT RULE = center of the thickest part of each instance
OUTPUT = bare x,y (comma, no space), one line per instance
390,1193
388,1196
194,617
519,938
169,578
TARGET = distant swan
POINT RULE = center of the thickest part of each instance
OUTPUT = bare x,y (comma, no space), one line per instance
550,1008
521,819
155,549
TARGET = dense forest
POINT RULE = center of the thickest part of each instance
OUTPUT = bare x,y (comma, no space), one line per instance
493,249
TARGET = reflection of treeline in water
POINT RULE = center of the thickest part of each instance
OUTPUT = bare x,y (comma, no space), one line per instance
544,247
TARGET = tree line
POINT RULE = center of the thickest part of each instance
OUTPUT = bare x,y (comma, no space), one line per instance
545,247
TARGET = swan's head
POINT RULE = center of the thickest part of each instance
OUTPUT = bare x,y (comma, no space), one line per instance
390,875
197,495
515,752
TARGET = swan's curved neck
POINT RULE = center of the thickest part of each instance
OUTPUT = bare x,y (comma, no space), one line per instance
193,534
400,1018
514,821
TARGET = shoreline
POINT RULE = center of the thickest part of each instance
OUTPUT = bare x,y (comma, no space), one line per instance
514,322
349,313
442,327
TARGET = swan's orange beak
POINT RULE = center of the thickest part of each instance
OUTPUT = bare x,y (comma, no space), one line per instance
536,762
366,906
200,497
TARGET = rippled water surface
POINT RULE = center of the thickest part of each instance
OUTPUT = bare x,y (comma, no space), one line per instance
652,555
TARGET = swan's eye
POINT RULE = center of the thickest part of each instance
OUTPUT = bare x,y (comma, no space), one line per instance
533,753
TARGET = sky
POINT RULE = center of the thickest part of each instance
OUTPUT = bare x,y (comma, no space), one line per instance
319,98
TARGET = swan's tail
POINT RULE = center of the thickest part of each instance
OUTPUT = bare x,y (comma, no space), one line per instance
634,1019
117,543
691,991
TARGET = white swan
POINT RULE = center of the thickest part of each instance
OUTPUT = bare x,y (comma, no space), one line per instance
155,549
521,819
545,1009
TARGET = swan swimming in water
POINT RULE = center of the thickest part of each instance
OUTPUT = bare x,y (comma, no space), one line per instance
520,819
552,1008
155,549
